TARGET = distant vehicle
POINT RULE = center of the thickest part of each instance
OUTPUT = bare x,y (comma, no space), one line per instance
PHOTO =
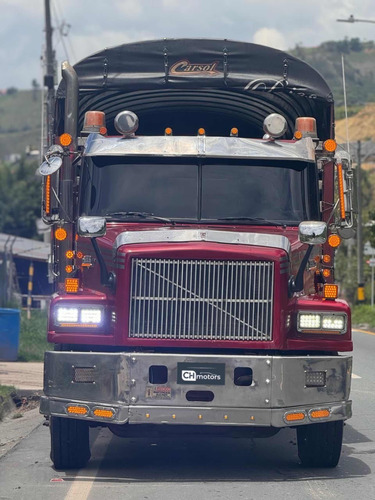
196,200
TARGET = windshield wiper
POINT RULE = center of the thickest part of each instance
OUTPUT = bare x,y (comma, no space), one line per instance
258,220
143,215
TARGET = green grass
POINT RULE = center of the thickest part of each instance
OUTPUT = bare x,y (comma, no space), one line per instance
363,314
5,392
33,336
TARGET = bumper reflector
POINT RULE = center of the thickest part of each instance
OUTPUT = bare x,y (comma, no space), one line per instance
319,413
104,412
295,416
77,410
315,379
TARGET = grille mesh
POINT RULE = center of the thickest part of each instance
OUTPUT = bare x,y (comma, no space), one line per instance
201,299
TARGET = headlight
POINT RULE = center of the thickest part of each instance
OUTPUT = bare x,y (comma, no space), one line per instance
79,316
67,315
308,322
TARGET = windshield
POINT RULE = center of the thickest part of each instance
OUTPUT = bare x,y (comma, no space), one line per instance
194,190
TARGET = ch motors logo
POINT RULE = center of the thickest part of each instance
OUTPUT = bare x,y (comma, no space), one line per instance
193,376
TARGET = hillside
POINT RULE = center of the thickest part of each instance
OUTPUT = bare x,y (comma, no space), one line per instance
361,126
20,122
359,60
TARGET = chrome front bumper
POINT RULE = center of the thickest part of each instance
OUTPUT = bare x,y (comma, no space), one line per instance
121,382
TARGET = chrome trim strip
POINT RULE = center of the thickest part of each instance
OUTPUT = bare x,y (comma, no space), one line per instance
220,147
209,235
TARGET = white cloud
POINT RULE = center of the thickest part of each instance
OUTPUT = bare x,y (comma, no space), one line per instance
271,38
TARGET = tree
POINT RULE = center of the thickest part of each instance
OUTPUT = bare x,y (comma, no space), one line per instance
20,192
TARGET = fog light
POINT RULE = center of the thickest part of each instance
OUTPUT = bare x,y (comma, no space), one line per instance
333,322
315,379
91,316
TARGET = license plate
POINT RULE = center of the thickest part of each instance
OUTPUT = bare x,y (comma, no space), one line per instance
201,373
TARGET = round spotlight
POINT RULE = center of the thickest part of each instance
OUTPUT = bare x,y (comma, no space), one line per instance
126,122
275,125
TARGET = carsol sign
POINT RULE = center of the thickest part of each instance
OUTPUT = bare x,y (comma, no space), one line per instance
201,373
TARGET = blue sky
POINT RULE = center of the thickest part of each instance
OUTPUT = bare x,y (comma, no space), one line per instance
95,24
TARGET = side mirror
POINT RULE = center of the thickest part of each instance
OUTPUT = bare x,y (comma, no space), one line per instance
312,232
91,227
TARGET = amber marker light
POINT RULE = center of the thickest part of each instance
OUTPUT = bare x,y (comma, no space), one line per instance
341,191
69,254
201,131
320,413
66,139
168,131
326,273
47,195
330,291
326,259
71,285
295,417
330,145
77,410
60,234
334,240
79,255
69,269
234,132
104,413
298,135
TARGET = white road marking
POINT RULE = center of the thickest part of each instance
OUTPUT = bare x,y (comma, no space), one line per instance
355,376
81,487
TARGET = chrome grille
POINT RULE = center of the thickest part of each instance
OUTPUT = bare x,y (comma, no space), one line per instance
201,299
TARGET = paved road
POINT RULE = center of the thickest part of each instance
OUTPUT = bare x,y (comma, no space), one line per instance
182,469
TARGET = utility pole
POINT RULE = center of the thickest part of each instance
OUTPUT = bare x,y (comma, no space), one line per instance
360,277
49,79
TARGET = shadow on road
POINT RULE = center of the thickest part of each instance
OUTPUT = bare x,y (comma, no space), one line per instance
190,459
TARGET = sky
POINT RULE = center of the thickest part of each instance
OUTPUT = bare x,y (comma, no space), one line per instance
82,27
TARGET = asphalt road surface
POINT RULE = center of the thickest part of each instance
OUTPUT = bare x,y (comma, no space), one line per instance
205,468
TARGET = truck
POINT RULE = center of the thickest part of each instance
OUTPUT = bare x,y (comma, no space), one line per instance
196,197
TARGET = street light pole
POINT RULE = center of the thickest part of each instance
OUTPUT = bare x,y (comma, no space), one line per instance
352,19
360,277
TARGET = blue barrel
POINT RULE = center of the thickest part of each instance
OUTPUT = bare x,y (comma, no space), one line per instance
9,334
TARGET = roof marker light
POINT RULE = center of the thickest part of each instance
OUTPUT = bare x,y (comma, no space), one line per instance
201,131
168,131
234,132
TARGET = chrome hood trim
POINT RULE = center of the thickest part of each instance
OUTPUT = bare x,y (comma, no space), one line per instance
219,147
208,235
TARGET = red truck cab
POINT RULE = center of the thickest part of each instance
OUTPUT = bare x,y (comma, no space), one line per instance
196,200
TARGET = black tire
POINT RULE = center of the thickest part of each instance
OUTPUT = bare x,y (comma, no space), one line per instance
319,445
70,446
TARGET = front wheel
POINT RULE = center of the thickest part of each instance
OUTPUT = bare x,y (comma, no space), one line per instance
319,445
70,447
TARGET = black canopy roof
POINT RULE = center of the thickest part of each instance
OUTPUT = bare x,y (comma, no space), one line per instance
190,83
